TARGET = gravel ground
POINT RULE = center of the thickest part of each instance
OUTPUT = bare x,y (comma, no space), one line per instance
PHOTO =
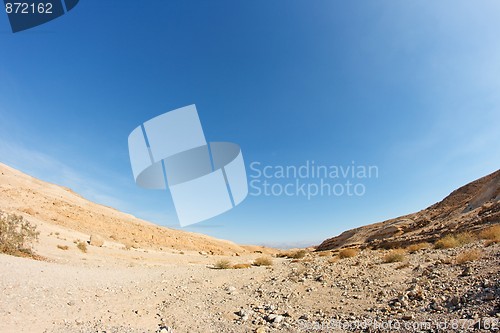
426,292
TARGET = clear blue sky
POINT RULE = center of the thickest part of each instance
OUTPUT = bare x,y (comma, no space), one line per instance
412,87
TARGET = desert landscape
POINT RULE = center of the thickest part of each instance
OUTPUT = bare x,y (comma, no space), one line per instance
95,269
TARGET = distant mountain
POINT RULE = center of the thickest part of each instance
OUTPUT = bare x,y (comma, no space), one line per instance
47,203
469,208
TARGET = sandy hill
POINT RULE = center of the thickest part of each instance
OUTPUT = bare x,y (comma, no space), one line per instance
47,203
469,208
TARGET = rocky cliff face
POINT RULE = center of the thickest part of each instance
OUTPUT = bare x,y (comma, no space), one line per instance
469,208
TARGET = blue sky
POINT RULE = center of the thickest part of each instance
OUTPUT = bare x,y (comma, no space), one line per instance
411,87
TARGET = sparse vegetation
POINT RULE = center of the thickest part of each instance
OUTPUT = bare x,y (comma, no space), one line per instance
82,246
417,247
263,261
324,254
223,264
451,241
396,255
333,260
491,235
469,255
447,242
63,247
299,254
348,253
240,266
16,235
466,238
403,265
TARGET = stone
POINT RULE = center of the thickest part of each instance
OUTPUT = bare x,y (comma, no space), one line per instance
96,240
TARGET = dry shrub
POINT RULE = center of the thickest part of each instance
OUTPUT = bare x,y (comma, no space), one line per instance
63,247
298,254
241,266
16,234
292,254
397,255
82,246
451,241
403,265
263,261
324,253
491,234
223,264
447,242
469,255
417,247
465,238
348,253
333,260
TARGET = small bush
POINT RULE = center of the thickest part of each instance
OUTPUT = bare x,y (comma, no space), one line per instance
63,247
348,253
491,234
451,241
447,242
333,260
403,265
417,247
223,264
465,238
82,246
240,266
397,255
16,234
292,254
263,261
324,253
469,255
298,254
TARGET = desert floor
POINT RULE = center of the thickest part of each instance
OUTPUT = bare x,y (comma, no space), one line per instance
112,289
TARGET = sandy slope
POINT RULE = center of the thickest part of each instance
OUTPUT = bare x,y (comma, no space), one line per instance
43,202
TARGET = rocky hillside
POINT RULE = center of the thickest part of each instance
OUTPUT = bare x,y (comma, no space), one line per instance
42,202
469,208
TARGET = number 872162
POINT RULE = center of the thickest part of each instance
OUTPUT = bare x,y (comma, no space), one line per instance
28,8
